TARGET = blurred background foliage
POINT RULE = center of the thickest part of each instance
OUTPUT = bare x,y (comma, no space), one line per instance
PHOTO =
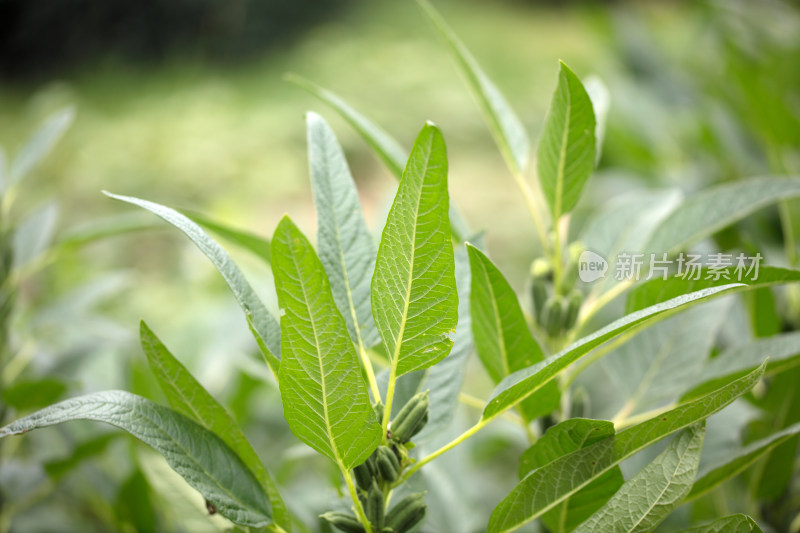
184,103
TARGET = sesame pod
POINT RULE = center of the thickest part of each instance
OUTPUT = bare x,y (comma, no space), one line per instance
552,316
343,522
363,475
388,464
408,419
387,530
539,297
374,506
573,308
407,513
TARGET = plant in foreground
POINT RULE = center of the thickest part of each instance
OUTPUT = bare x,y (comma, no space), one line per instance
419,304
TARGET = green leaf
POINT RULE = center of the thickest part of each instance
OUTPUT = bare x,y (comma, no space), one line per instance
414,299
264,326
737,523
200,456
646,499
324,396
783,351
546,487
716,474
502,338
562,439
601,102
445,378
187,396
506,128
654,367
33,394
712,209
567,149
521,384
387,148
345,245
249,241
658,290
40,144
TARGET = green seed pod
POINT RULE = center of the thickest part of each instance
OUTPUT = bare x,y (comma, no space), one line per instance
574,302
552,316
363,475
407,422
388,464
540,269
343,521
539,297
374,506
387,530
407,513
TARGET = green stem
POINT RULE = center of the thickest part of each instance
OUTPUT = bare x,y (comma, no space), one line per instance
452,444
362,517
387,409
373,383
533,206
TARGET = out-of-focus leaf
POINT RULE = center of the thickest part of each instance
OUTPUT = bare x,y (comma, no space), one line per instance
719,473
508,132
40,144
134,504
344,243
197,454
737,523
562,439
187,396
502,338
325,399
646,499
264,326
107,227
567,149
601,102
414,299
33,394
35,234
387,148
546,487
783,351
93,447
708,211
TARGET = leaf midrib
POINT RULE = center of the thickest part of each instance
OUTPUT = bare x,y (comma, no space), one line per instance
663,491
322,377
562,158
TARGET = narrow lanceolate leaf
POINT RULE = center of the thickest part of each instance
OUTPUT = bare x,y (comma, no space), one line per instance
249,241
560,440
502,338
264,327
40,144
646,499
601,102
714,475
388,149
508,132
414,297
566,153
197,454
546,487
737,523
712,209
345,245
659,290
525,382
324,396
187,396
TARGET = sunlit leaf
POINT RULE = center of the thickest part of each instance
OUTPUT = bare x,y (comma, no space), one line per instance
325,399
200,456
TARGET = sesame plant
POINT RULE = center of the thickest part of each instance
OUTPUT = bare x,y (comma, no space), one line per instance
370,347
